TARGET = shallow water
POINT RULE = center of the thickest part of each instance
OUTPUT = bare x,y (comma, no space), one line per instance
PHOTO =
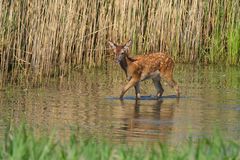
87,103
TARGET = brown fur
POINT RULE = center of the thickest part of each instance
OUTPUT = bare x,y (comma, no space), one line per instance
139,68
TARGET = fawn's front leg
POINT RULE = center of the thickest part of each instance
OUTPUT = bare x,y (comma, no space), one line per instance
131,83
137,90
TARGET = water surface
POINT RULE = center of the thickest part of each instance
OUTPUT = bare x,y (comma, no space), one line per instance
86,103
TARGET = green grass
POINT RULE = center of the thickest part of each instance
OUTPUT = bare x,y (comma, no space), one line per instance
23,144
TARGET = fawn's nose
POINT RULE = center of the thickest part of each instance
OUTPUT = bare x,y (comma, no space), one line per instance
119,58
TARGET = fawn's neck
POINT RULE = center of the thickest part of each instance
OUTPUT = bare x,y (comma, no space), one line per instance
124,65
125,62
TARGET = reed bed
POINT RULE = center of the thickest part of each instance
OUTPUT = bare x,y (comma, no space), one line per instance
50,38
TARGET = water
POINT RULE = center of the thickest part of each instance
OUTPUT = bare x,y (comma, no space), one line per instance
86,103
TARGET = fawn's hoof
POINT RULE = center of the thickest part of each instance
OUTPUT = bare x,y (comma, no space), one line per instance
159,95
138,96
178,95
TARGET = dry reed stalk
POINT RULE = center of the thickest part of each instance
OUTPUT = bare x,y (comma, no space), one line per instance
48,38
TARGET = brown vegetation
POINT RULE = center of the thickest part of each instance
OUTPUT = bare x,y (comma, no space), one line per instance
48,38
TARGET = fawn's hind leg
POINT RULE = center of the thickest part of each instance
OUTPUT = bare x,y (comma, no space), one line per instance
173,84
167,73
158,86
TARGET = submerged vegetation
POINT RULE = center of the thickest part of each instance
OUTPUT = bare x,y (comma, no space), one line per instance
23,144
50,38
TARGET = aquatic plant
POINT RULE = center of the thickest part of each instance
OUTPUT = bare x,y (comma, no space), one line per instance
23,144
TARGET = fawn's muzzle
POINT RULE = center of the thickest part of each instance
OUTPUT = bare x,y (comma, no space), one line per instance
119,58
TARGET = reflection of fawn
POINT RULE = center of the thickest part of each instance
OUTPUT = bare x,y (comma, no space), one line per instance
154,66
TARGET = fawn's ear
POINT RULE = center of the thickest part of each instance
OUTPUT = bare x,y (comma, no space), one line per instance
112,45
128,44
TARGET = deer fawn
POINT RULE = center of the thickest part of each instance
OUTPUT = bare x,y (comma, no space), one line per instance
142,67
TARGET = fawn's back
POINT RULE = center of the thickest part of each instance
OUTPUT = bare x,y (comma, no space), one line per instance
152,64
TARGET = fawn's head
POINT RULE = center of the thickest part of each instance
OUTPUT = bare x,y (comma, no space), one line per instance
120,50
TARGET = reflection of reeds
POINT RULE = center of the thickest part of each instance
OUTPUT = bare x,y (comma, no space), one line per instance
45,38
